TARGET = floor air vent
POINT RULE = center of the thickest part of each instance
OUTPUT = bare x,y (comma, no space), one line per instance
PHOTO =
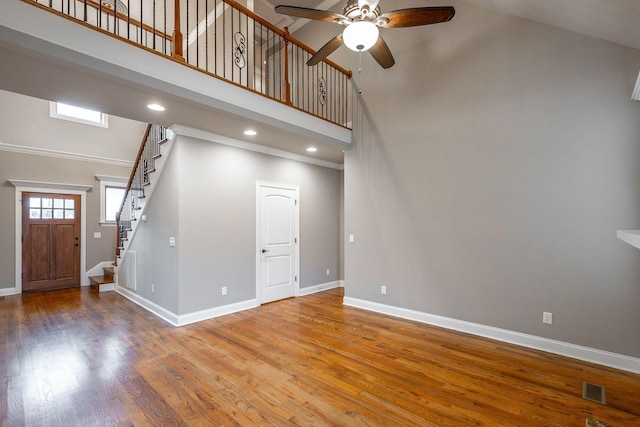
595,423
593,392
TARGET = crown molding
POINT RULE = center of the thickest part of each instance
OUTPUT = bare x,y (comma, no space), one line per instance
36,151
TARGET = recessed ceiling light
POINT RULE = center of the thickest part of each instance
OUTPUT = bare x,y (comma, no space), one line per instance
155,107
312,149
250,132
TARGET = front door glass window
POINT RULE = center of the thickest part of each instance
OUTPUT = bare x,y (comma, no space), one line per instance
51,208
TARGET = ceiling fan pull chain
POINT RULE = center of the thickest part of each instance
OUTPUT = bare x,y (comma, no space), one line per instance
359,62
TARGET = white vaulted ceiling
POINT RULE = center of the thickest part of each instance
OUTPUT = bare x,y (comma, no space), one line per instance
617,21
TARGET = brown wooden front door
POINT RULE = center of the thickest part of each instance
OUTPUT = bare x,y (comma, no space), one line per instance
50,241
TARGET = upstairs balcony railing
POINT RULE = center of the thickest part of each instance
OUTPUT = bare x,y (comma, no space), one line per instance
226,40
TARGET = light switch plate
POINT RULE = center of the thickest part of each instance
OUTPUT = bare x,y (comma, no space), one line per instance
172,242
97,235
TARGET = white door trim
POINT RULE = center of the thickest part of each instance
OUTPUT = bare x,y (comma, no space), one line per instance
48,187
259,185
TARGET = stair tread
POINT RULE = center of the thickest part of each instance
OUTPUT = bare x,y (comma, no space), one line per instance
100,280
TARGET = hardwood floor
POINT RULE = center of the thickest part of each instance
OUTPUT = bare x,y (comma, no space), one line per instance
74,357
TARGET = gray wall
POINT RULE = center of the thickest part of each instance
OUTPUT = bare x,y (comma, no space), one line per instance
494,164
25,121
213,188
41,168
157,263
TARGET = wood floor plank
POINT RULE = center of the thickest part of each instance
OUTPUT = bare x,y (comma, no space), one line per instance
75,357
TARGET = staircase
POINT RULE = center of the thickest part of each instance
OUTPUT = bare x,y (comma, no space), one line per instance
154,149
103,283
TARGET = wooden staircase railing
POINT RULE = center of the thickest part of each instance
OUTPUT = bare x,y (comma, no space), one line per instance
139,181
225,40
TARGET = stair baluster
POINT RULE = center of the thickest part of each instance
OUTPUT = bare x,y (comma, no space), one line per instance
132,204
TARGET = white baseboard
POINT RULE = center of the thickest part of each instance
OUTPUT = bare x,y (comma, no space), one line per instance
319,288
9,291
154,308
185,319
587,354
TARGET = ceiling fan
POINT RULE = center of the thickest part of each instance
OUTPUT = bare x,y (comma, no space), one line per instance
361,19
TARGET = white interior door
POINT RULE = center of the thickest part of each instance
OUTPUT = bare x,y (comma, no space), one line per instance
277,242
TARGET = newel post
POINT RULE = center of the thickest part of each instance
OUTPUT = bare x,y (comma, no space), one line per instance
177,35
117,248
286,85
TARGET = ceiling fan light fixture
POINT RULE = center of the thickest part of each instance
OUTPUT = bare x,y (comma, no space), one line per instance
360,36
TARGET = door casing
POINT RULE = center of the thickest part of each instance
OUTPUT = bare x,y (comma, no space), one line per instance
49,187
51,246
259,185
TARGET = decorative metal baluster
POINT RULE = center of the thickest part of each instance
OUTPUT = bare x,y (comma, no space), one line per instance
239,51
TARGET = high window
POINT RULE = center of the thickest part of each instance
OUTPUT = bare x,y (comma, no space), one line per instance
58,110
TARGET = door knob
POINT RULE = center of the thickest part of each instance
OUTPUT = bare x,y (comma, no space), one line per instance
265,250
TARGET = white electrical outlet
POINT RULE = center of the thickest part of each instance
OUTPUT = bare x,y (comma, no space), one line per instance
383,290
547,318
224,290
153,288
328,272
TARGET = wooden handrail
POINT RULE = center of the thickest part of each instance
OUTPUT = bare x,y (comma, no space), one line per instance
108,10
284,34
135,165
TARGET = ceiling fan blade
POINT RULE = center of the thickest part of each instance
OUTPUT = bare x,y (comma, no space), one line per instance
381,53
326,50
315,14
416,16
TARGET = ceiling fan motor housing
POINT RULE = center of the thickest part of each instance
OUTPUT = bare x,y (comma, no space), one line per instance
353,12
